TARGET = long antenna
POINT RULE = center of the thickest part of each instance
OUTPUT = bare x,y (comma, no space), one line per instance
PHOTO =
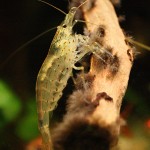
82,4
52,6
23,46
139,44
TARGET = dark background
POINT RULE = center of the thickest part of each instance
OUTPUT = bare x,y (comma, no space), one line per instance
22,20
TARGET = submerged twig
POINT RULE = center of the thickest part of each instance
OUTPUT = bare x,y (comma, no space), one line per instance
93,115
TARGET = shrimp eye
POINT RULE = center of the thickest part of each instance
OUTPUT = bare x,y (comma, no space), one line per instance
64,25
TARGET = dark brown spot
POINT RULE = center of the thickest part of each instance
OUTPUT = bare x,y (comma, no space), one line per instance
64,25
92,5
98,35
130,54
103,95
101,31
115,64
108,98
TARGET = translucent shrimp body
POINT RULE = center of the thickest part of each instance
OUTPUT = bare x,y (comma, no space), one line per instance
56,70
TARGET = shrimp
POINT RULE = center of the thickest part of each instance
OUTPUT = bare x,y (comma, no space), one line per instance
55,72
66,49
